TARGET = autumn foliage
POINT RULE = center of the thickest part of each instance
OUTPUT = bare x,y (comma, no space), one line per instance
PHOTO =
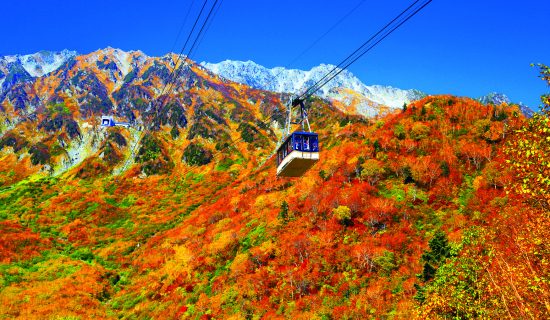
421,213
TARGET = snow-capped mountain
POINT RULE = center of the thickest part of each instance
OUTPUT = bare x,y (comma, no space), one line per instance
295,81
495,98
500,98
352,94
40,63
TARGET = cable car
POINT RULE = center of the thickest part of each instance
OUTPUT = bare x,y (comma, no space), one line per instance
299,150
108,121
297,154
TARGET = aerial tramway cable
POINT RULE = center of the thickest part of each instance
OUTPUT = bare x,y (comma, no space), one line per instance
182,26
193,46
372,46
210,23
388,29
171,76
322,36
384,32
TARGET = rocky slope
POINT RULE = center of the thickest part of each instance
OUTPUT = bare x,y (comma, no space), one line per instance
295,81
496,98
53,119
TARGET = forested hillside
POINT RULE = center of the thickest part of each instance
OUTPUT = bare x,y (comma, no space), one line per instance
439,210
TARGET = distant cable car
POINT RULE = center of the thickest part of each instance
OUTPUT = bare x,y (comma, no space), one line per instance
299,150
108,121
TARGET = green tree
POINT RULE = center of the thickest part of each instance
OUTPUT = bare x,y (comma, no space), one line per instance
439,251
196,155
529,152
372,171
376,145
386,262
439,248
399,131
283,214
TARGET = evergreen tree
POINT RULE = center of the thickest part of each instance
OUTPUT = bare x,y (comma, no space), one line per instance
283,214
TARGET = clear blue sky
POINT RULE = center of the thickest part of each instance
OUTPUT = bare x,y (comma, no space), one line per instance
468,47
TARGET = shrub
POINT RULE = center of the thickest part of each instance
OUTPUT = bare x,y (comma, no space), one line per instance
196,155
399,131
372,171
40,154
419,131
342,214
150,149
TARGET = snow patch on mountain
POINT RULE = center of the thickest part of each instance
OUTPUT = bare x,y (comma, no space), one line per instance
295,81
41,63
500,98
122,60
10,59
495,98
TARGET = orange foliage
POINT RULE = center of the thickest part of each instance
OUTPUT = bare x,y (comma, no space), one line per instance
208,242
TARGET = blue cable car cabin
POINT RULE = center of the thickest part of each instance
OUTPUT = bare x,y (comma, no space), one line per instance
297,154
107,121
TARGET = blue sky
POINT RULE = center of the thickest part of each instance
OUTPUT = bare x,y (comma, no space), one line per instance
466,48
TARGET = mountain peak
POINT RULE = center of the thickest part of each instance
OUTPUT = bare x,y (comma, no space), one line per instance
42,62
294,81
498,98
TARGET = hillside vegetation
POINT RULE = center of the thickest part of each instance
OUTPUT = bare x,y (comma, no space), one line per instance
437,211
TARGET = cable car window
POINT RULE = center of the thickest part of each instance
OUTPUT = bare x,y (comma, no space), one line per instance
306,143
314,144
298,142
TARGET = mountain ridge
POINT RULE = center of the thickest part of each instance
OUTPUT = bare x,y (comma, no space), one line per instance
294,81
497,98
64,106
365,100
54,119
40,63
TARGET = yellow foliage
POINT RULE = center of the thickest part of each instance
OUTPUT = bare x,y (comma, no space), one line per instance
342,213
239,264
179,263
479,182
419,131
261,202
268,248
372,171
223,240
